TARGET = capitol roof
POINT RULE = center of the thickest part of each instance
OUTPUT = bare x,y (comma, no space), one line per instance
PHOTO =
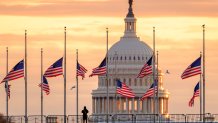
130,45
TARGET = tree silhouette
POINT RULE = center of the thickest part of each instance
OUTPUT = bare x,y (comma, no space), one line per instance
2,118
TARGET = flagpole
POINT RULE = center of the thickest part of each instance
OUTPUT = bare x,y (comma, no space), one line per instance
107,74
203,26
77,88
154,72
7,84
26,118
200,94
41,85
116,58
65,121
157,84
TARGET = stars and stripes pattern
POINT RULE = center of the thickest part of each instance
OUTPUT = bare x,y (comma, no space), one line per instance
146,69
80,71
150,91
45,86
124,90
16,72
100,70
193,69
55,69
196,94
8,90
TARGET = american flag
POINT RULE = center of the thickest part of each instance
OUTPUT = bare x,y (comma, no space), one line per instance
55,69
100,70
150,91
45,86
124,90
193,69
146,70
16,72
196,94
8,90
80,71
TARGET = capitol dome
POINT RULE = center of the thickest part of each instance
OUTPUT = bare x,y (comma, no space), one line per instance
125,60
130,46
130,49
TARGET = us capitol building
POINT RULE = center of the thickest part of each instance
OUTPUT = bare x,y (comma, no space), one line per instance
126,58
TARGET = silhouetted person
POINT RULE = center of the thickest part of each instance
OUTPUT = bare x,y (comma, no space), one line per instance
85,116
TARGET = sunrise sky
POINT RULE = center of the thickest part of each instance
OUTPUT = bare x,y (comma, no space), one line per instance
178,35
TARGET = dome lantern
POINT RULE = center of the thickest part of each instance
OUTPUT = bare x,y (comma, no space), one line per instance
130,22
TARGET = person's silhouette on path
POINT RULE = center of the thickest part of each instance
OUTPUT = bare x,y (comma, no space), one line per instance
85,116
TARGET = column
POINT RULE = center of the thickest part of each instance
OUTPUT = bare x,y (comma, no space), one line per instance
161,105
127,105
115,105
166,105
152,105
120,105
93,105
144,106
149,105
138,105
133,105
111,106
102,104
98,106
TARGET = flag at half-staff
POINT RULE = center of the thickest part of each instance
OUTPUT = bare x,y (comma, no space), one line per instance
55,69
45,86
146,69
150,91
8,89
80,70
196,94
193,69
16,72
124,90
100,70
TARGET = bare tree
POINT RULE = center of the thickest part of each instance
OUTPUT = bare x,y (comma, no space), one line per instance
2,118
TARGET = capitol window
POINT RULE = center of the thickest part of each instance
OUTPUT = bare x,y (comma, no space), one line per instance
135,82
140,82
109,82
124,80
130,82
114,81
